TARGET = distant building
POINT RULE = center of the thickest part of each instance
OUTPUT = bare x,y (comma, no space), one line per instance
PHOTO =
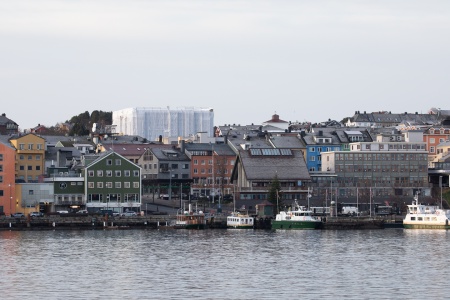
8,126
157,123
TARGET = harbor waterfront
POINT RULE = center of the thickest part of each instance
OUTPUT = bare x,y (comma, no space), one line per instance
224,264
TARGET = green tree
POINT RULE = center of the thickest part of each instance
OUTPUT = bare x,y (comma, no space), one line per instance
274,195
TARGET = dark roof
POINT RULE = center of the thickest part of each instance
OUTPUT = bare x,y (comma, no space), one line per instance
266,167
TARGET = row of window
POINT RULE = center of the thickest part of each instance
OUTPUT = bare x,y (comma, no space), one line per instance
324,149
29,157
203,171
117,173
380,156
379,168
31,147
29,168
210,162
117,185
113,197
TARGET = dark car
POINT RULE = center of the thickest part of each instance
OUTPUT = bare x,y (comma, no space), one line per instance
18,215
36,214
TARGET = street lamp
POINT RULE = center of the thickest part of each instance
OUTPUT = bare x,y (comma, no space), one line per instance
440,185
170,185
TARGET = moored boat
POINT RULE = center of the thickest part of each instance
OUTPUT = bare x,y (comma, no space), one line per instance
240,220
297,217
420,216
190,220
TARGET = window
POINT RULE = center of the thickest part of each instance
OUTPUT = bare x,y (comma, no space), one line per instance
21,157
108,173
38,157
118,185
91,173
1,157
135,185
109,162
108,185
126,185
100,185
30,146
432,149
312,158
30,157
30,192
30,168
118,173
1,178
185,166
195,162
195,171
38,168
1,168
99,173
432,141
118,162
39,146
203,162
127,173
91,185
312,149
21,146
136,173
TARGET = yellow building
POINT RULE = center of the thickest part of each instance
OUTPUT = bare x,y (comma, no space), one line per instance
30,157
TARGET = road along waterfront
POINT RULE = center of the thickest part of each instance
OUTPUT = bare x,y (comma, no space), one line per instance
224,264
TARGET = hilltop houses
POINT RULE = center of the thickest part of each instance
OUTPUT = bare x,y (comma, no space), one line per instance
383,156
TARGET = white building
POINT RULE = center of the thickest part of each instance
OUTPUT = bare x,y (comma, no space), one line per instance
153,122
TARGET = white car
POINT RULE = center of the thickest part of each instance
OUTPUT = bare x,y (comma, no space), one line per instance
129,214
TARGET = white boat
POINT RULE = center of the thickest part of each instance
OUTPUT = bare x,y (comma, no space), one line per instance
297,217
240,220
420,216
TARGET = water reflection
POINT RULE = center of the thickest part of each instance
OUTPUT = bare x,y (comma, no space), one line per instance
223,264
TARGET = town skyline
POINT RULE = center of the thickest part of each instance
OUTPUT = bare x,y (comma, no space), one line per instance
304,60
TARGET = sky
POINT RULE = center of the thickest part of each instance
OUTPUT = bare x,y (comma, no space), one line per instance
303,60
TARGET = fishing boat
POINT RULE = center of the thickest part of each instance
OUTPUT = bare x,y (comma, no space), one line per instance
240,220
297,217
420,216
190,219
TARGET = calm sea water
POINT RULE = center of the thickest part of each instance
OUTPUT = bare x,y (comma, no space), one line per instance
224,264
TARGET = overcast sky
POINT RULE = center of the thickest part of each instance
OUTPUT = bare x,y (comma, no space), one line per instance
304,60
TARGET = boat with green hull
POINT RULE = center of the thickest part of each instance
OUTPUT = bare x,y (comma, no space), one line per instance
297,217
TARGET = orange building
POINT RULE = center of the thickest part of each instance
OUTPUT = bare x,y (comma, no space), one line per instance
433,136
30,150
7,179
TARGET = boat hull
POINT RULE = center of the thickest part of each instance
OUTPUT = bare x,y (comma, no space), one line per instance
240,227
425,226
191,226
282,224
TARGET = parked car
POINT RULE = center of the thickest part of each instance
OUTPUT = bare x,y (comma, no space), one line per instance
129,214
83,211
62,211
18,215
36,214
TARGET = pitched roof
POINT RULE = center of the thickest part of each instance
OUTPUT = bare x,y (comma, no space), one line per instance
263,167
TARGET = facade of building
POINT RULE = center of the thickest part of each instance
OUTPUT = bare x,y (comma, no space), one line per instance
377,169
256,169
7,179
155,123
112,182
211,168
7,126
316,143
30,158
166,172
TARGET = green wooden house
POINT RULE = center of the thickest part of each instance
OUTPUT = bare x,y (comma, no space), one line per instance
112,183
